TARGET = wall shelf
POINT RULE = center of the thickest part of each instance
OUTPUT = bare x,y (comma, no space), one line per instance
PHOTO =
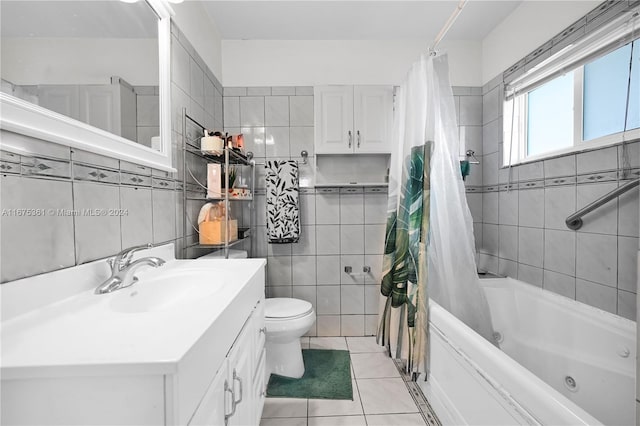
229,157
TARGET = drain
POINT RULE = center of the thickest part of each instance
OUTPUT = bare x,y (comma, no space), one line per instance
498,337
571,384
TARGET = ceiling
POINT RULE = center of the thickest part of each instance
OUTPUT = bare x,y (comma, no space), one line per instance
354,20
77,18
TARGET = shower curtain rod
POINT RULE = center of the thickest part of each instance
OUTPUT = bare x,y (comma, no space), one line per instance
447,26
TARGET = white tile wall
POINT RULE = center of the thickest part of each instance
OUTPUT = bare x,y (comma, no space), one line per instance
597,264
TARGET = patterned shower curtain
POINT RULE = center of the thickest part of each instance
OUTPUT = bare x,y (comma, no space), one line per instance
429,235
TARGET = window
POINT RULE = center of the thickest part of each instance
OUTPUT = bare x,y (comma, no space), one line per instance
578,100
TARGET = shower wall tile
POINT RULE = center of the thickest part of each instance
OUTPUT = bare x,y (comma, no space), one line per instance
597,295
508,242
559,202
490,105
596,161
508,207
627,305
490,137
604,220
564,285
530,246
530,274
507,268
374,239
560,251
470,110
531,208
597,258
490,240
627,263
628,213
490,207
562,166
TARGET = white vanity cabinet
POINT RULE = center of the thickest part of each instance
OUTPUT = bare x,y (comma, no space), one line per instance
236,394
353,119
81,361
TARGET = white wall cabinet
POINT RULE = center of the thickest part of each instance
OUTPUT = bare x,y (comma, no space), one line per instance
353,119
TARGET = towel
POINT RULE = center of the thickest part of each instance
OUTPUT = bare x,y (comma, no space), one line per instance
465,169
283,209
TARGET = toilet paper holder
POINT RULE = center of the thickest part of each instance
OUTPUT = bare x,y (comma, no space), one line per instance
366,269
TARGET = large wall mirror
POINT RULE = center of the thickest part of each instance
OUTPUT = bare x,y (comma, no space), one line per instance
89,74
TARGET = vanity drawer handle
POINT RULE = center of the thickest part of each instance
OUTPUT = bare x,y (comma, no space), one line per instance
233,402
239,380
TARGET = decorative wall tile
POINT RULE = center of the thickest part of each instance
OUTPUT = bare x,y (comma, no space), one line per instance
180,66
490,137
258,91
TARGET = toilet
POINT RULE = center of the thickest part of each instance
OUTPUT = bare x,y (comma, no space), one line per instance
287,320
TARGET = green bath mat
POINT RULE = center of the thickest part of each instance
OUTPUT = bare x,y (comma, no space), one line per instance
327,375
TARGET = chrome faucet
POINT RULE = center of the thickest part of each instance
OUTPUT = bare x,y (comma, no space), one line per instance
122,269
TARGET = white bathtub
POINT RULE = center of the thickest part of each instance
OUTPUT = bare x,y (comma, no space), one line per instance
545,339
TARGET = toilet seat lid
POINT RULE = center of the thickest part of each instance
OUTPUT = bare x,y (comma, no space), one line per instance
286,307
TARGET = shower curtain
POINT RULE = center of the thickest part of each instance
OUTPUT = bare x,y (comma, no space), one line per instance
429,243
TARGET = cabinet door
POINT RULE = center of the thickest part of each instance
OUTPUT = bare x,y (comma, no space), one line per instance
100,107
216,403
373,118
62,99
333,106
240,376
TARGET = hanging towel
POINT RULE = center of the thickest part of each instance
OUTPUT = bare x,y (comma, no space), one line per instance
283,210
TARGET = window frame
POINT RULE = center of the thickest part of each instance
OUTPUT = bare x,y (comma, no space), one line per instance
561,61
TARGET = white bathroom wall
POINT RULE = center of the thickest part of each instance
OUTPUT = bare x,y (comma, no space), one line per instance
529,26
317,62
55,60
202,32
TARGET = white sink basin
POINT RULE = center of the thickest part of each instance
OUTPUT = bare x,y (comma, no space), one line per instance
167,290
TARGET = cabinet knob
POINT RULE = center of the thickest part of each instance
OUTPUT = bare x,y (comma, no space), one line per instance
350,138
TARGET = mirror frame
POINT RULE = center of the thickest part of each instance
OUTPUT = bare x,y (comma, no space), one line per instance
19,116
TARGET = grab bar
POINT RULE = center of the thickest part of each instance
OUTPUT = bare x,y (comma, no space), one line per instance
575,220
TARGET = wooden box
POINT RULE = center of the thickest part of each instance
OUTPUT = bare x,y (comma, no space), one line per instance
214,232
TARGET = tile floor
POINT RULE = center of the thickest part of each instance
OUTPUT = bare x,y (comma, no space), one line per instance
380,396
